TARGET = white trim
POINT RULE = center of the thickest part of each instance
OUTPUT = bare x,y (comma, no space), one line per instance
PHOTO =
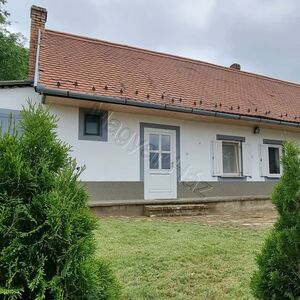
247,157
36,68
216,158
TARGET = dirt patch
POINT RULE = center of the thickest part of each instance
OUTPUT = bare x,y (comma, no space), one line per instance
250,219
265,218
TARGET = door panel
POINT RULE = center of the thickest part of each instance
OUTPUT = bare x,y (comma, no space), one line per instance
160,180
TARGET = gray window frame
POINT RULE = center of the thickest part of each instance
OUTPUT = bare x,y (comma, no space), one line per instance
230,138
273,142
103,135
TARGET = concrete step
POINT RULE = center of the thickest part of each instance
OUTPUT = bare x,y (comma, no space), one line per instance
168,210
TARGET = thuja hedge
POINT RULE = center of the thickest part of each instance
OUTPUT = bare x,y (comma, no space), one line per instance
47,247
278,275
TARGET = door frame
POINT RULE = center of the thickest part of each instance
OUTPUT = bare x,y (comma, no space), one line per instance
177,146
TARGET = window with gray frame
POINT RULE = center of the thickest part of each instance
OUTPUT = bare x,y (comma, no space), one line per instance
229,155
92,125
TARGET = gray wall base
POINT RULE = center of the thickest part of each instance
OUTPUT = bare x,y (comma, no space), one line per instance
111,191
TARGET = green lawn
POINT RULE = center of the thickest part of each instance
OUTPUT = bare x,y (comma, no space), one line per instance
156,259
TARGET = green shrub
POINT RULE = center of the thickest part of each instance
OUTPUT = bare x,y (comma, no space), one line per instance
278,275
47,247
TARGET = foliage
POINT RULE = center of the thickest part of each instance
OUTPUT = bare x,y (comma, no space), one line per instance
278,276
47,247
3,13
13,54
13,57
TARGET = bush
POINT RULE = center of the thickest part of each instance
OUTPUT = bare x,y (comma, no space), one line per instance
47,247
278,275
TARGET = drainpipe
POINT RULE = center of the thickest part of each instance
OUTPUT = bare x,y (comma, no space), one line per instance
36,69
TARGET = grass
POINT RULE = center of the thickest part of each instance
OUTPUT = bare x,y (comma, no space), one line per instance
156,259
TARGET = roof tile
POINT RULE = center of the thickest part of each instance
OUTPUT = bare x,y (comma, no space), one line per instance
183,82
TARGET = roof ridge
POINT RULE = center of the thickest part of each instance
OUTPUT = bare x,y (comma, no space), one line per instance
172,56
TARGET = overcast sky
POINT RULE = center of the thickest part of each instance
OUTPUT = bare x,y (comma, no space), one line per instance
261,35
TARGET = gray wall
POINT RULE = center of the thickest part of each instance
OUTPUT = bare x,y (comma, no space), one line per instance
109,191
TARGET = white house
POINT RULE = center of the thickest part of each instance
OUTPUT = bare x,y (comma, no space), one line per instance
150,125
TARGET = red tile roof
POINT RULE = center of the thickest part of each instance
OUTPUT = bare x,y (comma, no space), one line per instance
91,66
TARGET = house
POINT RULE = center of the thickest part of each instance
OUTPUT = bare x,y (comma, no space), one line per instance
152,126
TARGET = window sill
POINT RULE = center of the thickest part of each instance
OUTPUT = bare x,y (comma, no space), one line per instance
272,177
93,138
232,178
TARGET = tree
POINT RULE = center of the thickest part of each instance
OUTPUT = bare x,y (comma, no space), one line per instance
278,275
3,13
47,247
13,54
13,57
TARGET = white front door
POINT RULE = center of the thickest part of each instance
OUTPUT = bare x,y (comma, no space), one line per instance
160,179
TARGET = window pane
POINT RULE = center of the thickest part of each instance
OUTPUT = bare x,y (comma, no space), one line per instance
153,160
165,143
166,161
274,160
154,141
230,158
7,121
4,122
92,124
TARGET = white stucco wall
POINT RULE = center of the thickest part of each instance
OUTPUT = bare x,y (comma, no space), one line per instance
118,158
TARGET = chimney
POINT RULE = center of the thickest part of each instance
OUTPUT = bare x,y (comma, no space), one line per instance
235,66
38,20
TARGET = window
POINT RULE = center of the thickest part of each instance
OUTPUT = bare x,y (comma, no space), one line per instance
160,151
154,151
274,160
9,119
92,125
231,157
270,154
166,152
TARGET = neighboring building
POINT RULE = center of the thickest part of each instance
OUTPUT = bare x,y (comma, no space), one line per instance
149,125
